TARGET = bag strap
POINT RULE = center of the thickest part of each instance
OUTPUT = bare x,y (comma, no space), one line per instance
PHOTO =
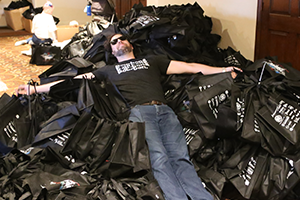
80,62
121,191
31,82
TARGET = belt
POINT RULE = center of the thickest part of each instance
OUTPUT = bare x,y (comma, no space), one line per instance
154,103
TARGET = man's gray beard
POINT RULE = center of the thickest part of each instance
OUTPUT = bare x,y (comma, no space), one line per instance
123,51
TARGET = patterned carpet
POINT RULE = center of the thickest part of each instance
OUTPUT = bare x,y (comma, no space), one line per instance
14,67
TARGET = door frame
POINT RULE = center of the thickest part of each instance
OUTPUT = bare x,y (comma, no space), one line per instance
259,25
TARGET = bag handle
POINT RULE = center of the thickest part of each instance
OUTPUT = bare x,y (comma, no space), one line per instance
121,191
34,83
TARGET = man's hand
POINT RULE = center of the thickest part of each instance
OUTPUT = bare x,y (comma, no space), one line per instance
231,69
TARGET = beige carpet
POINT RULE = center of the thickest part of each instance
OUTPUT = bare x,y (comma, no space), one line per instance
14,67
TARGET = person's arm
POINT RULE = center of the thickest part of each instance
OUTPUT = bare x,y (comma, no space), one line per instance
53,35
45,88
179,67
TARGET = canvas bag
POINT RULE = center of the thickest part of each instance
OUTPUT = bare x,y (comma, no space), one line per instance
205,106
282,114
282,177
279,125
90,140
130,152
56,130
139,188
10,112
108,101
64,69
177,99
45,54
248,175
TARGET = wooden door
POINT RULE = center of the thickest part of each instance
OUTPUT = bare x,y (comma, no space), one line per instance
278,31
123,6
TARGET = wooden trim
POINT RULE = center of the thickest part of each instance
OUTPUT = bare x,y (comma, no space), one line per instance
258,28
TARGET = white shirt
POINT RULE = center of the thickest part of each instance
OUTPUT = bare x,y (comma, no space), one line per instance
43,26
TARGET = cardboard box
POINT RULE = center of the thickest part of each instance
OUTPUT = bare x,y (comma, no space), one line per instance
27,24
14,18
66,32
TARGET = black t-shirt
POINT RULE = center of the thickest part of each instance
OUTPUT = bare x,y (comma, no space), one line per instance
138,80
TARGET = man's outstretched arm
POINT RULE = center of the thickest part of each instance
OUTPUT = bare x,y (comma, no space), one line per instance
179,67
25,89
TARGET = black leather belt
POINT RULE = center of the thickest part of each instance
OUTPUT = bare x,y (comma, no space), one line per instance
154,103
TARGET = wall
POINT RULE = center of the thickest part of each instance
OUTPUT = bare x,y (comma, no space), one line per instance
234,20
3,4
66,11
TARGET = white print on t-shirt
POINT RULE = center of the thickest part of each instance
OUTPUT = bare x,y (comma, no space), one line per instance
133,65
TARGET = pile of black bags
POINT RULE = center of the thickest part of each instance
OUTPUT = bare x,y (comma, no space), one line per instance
76,142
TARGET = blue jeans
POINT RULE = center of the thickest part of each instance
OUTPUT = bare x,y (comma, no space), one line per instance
169,156
38,41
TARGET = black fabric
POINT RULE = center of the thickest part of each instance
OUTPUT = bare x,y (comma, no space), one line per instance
102,7
125,74
45,55
214,181
130,153
39,108
18,4
10,112
107,100
144,187
31,12
248,180
76,49
59,124
174,87
66,90
67,68
242,152
91,140
205,105
235,58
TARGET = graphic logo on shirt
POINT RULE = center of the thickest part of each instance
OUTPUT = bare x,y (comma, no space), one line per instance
48,56
132,66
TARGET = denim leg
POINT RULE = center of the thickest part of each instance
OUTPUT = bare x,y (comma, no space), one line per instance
169,157
175,143
28,40
36,40
161,167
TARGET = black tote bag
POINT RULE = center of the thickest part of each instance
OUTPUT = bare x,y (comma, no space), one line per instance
67,68
10,112
56,130
45,54
130,152
251,129
205,106
283,115
248,175
281,179
108,101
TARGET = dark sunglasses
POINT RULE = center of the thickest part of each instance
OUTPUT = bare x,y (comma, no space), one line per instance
114,41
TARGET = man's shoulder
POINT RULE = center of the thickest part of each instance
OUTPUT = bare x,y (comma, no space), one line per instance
154,56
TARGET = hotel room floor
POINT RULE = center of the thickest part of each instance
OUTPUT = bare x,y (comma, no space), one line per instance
14,67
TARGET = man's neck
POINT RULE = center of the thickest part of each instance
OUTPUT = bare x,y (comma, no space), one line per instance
125,57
